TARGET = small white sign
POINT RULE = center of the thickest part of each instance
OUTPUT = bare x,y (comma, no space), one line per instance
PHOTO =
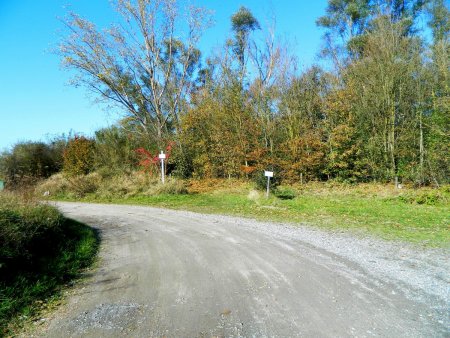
162,156
268,173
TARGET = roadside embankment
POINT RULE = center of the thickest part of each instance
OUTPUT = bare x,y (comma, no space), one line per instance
40,252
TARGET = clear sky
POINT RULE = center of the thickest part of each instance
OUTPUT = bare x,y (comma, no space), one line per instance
36,100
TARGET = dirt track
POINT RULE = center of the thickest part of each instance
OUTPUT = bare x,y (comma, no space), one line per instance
180,274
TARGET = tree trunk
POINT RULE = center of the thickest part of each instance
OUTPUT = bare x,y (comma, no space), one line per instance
392,146
421,149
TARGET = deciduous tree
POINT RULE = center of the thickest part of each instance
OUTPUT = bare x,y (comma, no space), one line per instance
144,64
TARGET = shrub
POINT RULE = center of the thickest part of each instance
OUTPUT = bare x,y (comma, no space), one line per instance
39,252
427,197
23,225
29,161
79,156
285,193
115,149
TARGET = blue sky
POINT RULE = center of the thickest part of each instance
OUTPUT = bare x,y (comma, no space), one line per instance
36,100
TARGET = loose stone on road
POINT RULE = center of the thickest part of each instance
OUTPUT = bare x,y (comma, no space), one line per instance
181,274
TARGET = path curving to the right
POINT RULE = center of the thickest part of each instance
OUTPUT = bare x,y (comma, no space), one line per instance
166,273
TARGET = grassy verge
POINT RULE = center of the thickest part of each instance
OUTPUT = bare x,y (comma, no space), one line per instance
417,216
40,253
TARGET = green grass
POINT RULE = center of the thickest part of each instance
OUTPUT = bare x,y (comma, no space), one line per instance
387,216
41,252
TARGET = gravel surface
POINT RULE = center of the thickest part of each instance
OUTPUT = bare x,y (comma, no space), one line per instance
183,274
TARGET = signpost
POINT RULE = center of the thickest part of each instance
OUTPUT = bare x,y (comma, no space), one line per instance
162,156
268,174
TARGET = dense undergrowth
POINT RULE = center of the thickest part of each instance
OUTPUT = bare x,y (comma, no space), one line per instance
40,252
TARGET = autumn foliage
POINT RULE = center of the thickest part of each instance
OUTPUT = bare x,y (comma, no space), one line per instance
150,163
79,156
378,112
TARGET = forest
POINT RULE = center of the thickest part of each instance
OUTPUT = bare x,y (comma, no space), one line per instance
376,109
350,141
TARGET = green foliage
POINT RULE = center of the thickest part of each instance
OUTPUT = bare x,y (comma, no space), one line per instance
79,156
31,270
30,161
115,149
427,197
182,162
385,108
285,193
23,227
347,21
261,181
215,133
382,115
440,19
150,81
243,23
351,21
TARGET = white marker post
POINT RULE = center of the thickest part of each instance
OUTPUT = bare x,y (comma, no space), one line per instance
162,156
268,174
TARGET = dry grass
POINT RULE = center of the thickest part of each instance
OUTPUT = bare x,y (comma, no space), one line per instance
216,185
126,185
108,186
367,190
74,186
56,185
171,187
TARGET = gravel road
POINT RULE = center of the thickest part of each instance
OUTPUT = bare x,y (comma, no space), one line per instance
165,273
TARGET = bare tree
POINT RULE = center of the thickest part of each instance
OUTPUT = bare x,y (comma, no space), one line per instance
145,63
272,66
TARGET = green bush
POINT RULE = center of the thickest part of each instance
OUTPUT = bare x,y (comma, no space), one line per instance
427,197
285,193
114,150
39,252
22,226
30,161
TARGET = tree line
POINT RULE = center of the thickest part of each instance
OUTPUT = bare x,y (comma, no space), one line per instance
377,111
